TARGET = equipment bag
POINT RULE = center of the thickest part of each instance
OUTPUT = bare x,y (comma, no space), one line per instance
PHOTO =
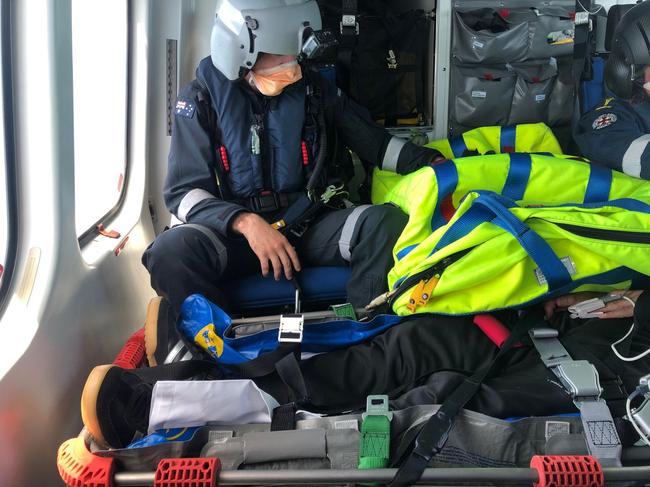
495,253
207,325
381,62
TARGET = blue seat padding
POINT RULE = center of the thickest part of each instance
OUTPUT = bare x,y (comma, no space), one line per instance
317,284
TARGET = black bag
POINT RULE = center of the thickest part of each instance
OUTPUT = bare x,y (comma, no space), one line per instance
383,67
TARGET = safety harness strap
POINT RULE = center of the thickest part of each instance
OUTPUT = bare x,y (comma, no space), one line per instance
581,381
434,433
374,449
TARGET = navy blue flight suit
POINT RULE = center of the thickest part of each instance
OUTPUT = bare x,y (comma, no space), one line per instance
616,134
197,256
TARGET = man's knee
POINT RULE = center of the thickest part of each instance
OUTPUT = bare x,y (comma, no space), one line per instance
180,247
386,219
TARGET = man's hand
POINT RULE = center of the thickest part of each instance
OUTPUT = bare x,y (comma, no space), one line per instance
268,244
563,302
621,308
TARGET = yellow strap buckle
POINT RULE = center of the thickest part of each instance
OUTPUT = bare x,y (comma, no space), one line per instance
278,225
422,293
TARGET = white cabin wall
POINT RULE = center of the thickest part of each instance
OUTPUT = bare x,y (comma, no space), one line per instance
71,309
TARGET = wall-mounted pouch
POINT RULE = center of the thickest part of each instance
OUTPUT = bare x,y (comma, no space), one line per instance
532,94
562,103
552,29
482,95
484,36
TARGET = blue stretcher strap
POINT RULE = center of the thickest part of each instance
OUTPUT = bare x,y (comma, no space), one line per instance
447,179
599,184
458,146
508,138
518,175
538,249
489,207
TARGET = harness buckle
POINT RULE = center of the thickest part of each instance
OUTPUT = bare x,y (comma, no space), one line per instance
291,327
349,23
377,406
299,229
580,378
268,201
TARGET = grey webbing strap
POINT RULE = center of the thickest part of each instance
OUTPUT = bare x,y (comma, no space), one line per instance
216,243
391,156
347,233
580,379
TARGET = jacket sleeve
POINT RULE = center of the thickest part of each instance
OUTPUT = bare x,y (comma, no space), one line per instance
372,142
191,190
613,135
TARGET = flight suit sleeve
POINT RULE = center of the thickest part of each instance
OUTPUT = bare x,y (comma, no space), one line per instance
370,141
613,135
191,189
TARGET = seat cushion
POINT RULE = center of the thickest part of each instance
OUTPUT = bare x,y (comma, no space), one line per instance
318,284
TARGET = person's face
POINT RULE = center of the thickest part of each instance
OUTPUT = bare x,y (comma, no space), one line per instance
646,86
266,61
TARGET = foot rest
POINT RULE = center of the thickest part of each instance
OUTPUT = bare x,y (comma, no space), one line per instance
80,468
187,472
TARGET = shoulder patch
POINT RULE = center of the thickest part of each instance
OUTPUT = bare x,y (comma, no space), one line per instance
604,120
185,108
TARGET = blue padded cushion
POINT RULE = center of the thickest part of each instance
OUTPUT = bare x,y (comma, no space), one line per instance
317,283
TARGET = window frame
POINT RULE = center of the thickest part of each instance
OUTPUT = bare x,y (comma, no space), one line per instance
91,233
11,170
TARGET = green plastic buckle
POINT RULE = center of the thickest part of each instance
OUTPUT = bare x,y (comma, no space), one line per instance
377,406
344,311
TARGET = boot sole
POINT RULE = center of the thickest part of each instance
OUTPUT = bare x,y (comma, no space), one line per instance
151,330
89,401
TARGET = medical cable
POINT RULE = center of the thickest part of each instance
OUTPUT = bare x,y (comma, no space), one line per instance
613,345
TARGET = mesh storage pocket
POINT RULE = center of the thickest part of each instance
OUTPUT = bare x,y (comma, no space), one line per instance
483,36
483,95
561,104
532,92
387,72
553,33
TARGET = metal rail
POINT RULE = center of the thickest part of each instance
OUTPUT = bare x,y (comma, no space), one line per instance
479,476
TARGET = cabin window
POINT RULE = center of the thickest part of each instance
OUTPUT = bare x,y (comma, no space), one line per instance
8,204
4,204
100,87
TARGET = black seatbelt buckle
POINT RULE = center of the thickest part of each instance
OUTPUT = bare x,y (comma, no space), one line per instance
299,229
349,25
268,201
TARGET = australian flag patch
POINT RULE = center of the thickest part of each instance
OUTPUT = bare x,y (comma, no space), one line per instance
185,108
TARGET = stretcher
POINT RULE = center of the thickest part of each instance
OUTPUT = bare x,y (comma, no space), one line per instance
80,464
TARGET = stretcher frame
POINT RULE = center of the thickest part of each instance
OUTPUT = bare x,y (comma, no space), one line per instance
78,467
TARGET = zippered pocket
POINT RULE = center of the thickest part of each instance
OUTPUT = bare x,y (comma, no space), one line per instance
602,234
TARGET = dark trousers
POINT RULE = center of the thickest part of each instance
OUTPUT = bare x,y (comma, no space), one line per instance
423,360
189,259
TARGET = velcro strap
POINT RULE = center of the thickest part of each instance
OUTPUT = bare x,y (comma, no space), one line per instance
374,451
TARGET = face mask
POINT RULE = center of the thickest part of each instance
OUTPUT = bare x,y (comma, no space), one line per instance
272,81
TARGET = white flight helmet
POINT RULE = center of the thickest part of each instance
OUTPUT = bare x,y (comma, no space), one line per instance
244,28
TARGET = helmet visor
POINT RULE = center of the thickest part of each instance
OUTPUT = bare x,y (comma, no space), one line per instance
279,29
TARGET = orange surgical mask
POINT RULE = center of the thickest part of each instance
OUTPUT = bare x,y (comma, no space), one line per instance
272,81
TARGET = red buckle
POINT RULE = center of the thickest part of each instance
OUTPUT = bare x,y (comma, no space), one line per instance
561,471
187,472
